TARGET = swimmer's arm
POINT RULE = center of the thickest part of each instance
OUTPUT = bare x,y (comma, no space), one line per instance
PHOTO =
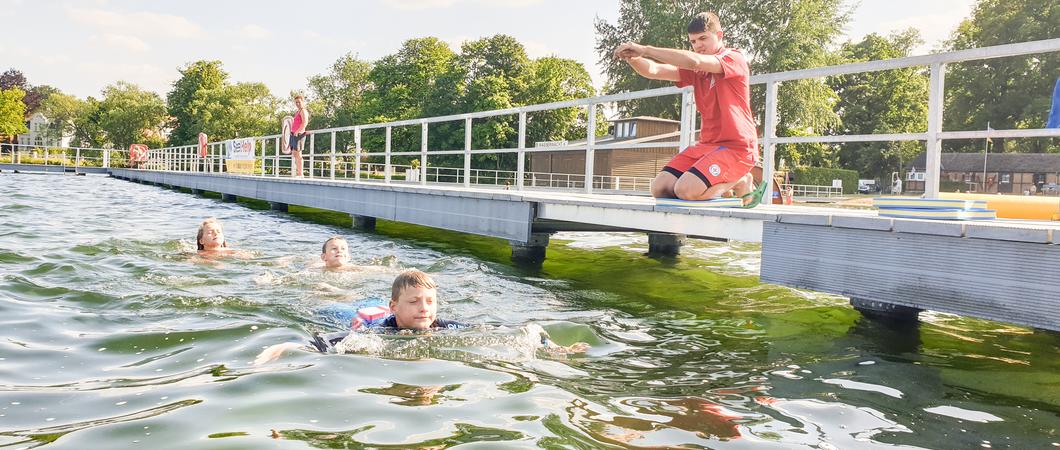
272,353
577,347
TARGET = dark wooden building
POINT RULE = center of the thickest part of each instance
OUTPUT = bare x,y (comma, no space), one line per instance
1006,173
631,162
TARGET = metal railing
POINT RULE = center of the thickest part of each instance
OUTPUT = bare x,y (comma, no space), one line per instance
813,191
360,163
75,157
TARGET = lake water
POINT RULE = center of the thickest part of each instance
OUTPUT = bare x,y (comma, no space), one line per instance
115,338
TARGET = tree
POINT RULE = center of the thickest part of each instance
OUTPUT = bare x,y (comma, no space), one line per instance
62,111
88,128
892,101
195,77
130,115
777,35
231,111
13,79
12,112
337,96
1010,92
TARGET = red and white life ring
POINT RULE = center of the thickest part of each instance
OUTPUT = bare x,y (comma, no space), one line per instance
202,144
137,153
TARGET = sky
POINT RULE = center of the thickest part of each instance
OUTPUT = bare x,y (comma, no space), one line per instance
82,46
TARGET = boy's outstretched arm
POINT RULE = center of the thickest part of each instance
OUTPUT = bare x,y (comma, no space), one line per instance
678,59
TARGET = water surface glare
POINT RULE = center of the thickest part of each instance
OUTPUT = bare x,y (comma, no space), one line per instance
115,338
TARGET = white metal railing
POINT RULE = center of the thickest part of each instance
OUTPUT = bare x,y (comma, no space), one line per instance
809,190
63,156
359,161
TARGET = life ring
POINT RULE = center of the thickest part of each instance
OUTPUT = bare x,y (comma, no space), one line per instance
285,134
202,144
137,153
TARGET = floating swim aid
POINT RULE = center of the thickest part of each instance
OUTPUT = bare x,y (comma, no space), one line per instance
363,314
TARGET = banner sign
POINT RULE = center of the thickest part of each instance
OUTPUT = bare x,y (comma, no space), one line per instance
241,149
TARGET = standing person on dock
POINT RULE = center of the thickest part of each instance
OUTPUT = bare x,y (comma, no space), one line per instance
727,149
297,139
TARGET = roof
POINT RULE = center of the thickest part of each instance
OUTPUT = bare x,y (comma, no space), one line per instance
995,162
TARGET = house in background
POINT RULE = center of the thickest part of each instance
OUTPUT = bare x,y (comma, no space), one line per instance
1006,173
42,133
618,163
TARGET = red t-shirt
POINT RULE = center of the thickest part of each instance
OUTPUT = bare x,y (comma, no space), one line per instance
724,101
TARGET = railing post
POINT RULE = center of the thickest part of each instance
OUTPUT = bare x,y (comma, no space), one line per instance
333,155
106,158
520,167
936,86
423,154
357,154
386,158
688,118
276,161
467,152
312,150
590,150
77,161
769,149
45,155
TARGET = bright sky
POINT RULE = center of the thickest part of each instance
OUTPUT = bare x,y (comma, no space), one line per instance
81,46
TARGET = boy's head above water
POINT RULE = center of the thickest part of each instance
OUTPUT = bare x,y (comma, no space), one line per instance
211,235
335,252
414,300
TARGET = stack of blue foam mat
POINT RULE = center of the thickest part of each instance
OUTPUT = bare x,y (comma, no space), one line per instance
927,208
727,202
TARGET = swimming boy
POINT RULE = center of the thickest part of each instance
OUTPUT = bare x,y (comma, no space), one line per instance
413,306
728,143
336,254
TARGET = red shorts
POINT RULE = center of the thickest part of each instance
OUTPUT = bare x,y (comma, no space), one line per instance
714,164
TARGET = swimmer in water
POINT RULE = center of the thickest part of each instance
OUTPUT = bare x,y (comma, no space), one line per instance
413,307
336,254
211,242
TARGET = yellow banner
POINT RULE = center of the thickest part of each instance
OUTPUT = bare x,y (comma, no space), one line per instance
240,165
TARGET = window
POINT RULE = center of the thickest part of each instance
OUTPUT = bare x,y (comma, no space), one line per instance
1006,178
915,176
633,129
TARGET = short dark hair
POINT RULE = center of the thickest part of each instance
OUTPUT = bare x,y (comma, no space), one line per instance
704,21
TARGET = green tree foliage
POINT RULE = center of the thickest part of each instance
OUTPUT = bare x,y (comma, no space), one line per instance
776,35
88,128
1006,92
337,96
62,111
12,112
236,110
195,78
129,115
892,101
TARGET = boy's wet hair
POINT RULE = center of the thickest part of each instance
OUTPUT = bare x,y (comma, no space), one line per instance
410,278
202,229
704,21
324,248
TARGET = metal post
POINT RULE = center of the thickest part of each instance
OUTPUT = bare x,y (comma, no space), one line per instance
467,152
520,167
590,150
769,149
332,155
687,118
106,159
312,149
357,154
77,162
423,154
936,87
276,160
45,155
386,161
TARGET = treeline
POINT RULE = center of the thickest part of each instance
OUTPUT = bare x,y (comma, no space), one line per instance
782,35
425,77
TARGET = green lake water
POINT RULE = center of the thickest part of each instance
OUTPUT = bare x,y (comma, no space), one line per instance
114,337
